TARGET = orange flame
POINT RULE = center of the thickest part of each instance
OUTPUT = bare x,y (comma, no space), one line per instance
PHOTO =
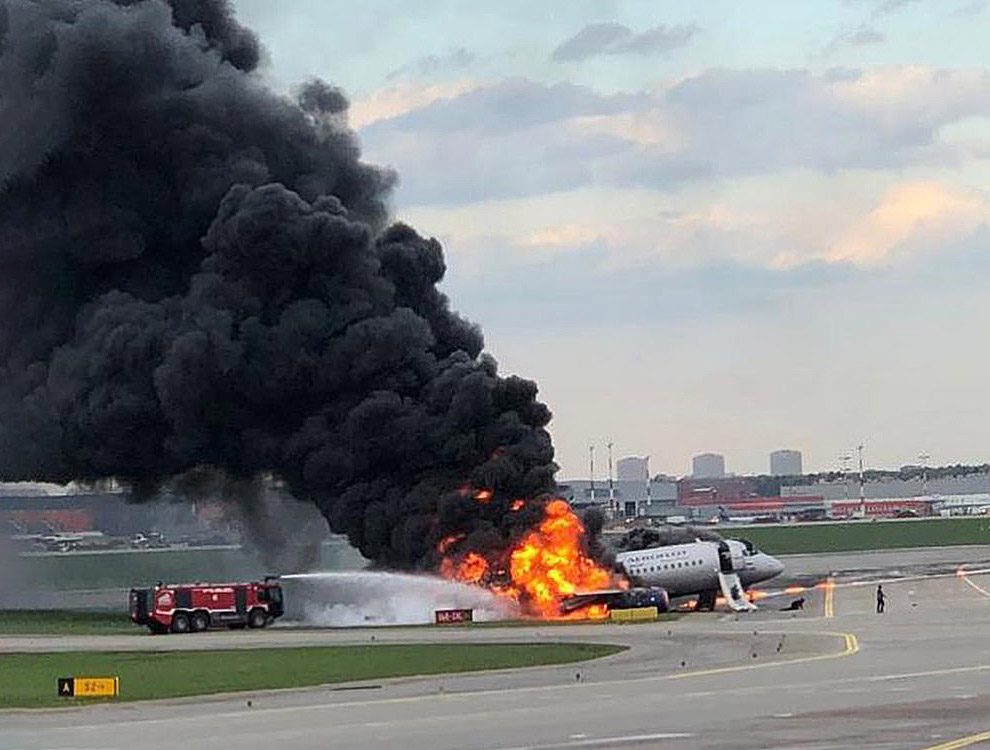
448,542
549,564
546,567
471,569
483,496
517,505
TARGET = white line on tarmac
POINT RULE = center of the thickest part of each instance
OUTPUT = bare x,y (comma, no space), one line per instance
631,739
965,574
825,586
793,687
813,686
851,648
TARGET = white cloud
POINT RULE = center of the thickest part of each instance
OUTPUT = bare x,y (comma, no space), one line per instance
520,138
859,36
910,217
778,223
612,38
394,101
654,129
426,65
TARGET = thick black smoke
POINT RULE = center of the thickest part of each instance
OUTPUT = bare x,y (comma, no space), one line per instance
196,271
644,538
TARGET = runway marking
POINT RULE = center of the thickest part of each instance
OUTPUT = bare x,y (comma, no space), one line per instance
962,742
794,687
964,575
852,646
631,739
829,597
906,579
812,687
825,586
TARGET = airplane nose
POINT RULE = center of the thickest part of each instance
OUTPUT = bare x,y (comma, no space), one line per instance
776,567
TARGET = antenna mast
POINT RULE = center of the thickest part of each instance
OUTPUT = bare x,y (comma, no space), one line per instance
591,466
611,485
649,480
862,488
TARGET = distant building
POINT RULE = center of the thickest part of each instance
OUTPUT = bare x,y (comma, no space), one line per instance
632,469
632,499
699,491
708,466
848,489
785,463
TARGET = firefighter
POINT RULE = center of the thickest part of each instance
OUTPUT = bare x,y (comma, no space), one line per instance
881,599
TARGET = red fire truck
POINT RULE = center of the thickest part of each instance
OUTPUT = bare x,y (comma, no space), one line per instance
195,607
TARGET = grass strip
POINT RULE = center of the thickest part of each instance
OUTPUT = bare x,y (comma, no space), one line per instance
868,535
29,680
64,622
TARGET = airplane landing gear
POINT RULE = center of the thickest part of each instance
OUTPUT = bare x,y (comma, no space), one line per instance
706,601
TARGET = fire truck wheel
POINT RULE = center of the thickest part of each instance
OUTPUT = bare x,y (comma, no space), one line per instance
157,629
199,622
257,618
180,622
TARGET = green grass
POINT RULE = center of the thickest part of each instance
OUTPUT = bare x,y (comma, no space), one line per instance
866,535
61,622
127,568
29,680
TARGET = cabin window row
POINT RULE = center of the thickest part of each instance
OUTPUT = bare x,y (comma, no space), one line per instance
665,555
666,566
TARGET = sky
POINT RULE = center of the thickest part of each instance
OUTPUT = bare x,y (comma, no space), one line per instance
699,225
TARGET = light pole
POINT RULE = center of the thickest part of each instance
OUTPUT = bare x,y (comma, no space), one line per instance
591,468
862,487
611,487
845,458
649,479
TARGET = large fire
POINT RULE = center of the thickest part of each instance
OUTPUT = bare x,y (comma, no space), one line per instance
547,566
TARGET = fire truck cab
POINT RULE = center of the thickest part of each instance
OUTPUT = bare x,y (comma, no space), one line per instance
195,607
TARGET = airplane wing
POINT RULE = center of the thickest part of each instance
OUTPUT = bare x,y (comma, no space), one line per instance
616,598
583,599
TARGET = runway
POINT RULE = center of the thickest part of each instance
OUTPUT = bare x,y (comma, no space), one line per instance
916,677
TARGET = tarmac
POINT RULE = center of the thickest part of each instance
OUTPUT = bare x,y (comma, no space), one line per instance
833,675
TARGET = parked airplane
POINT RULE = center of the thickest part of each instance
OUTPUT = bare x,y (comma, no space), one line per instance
57,542
702,569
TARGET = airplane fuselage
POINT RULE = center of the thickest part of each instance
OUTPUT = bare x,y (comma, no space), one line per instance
687,569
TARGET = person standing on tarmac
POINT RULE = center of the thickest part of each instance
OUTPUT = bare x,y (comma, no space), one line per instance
881,599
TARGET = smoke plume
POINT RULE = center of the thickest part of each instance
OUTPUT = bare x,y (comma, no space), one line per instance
644,538
196,271
353,599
